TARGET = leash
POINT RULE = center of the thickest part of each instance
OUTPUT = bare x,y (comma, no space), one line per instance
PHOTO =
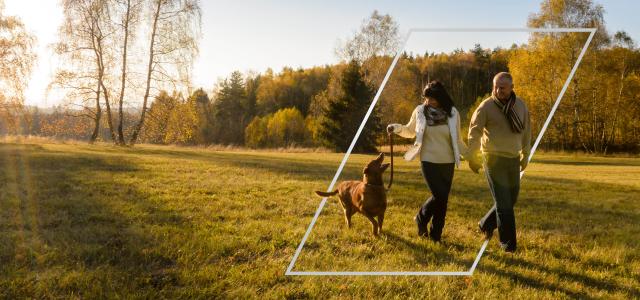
390,138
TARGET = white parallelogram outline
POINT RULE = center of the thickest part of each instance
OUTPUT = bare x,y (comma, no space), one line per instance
366,117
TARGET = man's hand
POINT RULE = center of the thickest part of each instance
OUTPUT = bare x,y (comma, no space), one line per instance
474,165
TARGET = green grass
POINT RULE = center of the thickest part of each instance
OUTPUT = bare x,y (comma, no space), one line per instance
80,221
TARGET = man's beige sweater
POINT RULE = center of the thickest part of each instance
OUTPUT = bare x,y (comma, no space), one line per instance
491,132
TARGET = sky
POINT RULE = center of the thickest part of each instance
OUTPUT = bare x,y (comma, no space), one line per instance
256,35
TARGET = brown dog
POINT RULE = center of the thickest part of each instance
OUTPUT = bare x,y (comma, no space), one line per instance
367,197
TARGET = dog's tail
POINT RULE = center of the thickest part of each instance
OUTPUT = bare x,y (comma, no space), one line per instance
326,194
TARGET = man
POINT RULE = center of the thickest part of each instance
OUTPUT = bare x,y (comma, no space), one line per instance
500,128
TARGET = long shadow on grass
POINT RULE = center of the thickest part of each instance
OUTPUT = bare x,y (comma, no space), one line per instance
531,282
580,278
421,252
296,166
509,273
64,214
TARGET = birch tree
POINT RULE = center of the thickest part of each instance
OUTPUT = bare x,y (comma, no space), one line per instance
86,60
16,64
172,47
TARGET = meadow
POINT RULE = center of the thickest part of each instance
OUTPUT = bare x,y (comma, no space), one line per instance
99,221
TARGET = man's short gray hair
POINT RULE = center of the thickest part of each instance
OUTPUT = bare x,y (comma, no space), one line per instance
502,75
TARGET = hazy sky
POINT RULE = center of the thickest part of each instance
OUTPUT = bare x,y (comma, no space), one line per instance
256,35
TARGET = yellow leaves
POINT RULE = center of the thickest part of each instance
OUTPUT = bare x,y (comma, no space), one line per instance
284,128
182,124
256,132
16,59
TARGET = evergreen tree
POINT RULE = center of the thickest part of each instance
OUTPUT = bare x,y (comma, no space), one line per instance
228,111
202,106
345,113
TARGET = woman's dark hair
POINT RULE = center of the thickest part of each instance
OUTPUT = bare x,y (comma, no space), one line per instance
435,89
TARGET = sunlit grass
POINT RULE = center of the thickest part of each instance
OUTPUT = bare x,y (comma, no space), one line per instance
80,221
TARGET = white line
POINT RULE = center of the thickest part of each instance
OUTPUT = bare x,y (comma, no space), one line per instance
366,117
564,89
306,234
475,263
375,273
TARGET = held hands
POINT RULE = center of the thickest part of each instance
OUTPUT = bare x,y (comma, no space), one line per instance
474,161
474,165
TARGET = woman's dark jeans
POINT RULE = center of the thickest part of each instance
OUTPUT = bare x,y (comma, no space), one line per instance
439,178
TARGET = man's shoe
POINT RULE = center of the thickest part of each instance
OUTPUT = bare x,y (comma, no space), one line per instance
508,247
422,230
487,233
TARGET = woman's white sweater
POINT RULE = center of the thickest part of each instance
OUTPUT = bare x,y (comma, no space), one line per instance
436,144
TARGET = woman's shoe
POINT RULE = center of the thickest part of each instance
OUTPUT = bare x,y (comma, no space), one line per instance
435,240
422,229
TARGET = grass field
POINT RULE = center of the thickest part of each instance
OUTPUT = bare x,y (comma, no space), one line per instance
81,221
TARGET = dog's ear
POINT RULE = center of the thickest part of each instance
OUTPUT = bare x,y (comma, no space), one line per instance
384,167
366,170
380,157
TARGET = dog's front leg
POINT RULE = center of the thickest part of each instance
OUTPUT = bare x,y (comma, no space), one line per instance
374,225
380,220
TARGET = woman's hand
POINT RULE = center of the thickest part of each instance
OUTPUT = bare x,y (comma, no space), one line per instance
391,128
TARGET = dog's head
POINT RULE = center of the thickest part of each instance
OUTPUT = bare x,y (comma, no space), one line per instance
374,169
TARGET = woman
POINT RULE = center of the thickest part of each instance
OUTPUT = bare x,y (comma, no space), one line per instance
435,124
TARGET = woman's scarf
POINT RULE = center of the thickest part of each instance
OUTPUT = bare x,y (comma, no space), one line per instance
435,116
510,113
